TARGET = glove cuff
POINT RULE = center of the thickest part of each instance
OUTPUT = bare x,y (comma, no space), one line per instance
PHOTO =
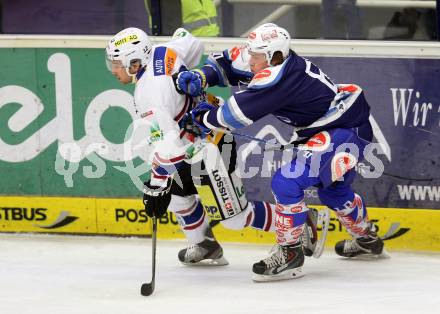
202,77
159,183
155,191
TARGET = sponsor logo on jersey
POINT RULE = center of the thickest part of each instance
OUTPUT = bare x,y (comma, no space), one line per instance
319,142
170,60
341,163
163,61
146,114
262,74
252,35
156,134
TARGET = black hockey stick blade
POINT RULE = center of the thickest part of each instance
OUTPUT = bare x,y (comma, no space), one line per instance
148,288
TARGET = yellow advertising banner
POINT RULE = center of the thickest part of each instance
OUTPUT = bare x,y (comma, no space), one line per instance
402,229
48,214
122,217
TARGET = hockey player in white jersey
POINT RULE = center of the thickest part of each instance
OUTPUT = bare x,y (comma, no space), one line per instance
133,59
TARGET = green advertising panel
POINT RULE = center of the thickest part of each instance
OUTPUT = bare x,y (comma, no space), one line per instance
63,124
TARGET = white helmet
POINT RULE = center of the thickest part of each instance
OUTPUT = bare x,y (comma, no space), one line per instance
129,45
269,38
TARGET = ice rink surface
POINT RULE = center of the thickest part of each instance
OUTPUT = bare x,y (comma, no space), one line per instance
98,275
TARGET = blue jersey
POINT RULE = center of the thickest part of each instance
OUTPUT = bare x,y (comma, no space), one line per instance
298,93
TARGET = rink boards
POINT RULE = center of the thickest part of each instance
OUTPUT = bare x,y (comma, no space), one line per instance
405,229
56,91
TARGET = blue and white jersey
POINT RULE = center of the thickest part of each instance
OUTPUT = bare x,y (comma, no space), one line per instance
298,93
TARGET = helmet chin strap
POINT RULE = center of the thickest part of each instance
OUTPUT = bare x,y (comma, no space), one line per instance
133,76
137,76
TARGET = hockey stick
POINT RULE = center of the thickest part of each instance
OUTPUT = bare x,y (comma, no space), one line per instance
269,145
148,288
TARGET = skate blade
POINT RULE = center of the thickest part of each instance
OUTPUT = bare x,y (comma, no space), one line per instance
369,256
209,262
323,222
285,275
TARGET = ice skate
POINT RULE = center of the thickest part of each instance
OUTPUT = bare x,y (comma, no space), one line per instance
369,245
284,262
312,244
206,253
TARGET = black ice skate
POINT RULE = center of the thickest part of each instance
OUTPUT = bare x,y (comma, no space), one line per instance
206,253
312,245
368,246
284,262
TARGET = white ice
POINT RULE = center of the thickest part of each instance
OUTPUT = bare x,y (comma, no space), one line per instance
98,275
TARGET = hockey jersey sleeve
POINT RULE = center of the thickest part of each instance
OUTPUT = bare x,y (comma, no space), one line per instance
228,68
189,48
262,97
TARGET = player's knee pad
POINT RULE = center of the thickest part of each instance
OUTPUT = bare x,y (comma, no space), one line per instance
290,181
289,222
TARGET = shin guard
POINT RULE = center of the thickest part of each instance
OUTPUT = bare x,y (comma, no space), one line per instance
289,222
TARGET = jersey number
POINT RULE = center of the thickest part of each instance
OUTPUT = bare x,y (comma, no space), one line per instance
319,75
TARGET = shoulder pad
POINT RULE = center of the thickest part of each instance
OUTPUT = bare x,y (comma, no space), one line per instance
164,59
267,77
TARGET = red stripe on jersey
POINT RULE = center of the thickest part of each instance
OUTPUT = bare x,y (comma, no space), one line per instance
158,176
168,161
184,110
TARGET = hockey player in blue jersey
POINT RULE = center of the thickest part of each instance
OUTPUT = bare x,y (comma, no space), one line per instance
332,125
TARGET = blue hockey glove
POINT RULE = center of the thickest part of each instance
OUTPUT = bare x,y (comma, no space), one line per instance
191,82
196,116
